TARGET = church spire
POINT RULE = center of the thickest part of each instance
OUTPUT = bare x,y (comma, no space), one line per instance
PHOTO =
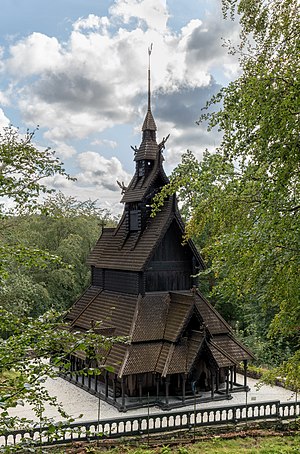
149,123
149,78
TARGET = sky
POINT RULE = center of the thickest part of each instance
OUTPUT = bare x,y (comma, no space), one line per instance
78,69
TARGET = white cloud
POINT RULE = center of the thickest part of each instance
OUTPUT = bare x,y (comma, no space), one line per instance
91,22
4,121
97,78
100,172
64,150
105,143
4,99
153,13
34,55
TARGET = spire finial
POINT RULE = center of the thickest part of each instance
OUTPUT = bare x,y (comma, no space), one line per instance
149,91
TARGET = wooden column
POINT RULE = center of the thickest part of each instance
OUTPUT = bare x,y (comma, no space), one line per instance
234,373
231,378
183,376
212,384
71,364
227,382
114,387
217,379
106,384
123,392
76,369
82,376
245,371
157,386
167,388
140,382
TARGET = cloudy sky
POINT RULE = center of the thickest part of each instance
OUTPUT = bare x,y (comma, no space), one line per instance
78,69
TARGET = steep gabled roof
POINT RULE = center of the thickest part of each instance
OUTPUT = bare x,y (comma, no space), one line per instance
212,319
151,317
221,357
111,309
180,309
157,326
233,347
80,305
116,249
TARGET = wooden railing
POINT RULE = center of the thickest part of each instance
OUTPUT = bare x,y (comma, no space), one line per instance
151,423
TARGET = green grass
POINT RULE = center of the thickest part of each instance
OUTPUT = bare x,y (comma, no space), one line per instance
216,445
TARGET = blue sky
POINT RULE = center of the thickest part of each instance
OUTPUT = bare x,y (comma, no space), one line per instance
78,69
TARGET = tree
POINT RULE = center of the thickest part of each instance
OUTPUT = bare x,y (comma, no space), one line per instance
25,345
245,197
63,227
26,341
23,169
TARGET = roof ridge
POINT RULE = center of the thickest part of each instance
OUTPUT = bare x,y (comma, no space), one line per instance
240,344
135,316
87,306
219,316
168,360
221,350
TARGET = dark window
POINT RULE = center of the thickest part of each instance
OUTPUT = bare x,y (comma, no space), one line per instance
134,220
141,168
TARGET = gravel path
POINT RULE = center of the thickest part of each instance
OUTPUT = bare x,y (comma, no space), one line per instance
76,401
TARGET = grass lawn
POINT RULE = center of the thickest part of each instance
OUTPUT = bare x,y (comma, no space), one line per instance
250,445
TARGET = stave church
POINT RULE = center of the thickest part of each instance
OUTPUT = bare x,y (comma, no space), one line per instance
178,348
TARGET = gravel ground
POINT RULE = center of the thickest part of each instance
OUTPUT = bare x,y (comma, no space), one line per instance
76,401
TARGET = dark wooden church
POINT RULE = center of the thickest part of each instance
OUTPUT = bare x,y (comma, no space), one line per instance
143,287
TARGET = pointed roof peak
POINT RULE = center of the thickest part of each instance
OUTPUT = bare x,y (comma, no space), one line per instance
149,123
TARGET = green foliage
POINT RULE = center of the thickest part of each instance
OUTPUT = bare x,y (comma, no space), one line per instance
25,345
21,295
43,248
55,240
23,167
242,202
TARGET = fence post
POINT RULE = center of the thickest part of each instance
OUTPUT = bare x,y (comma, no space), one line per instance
278,410
234,420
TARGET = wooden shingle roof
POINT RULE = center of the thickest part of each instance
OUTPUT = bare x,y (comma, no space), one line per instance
117,250
112,309
155,325
212,319
221,357
232,347
132,254
139,188
149,122
180,308
80,305
152,308
141,358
